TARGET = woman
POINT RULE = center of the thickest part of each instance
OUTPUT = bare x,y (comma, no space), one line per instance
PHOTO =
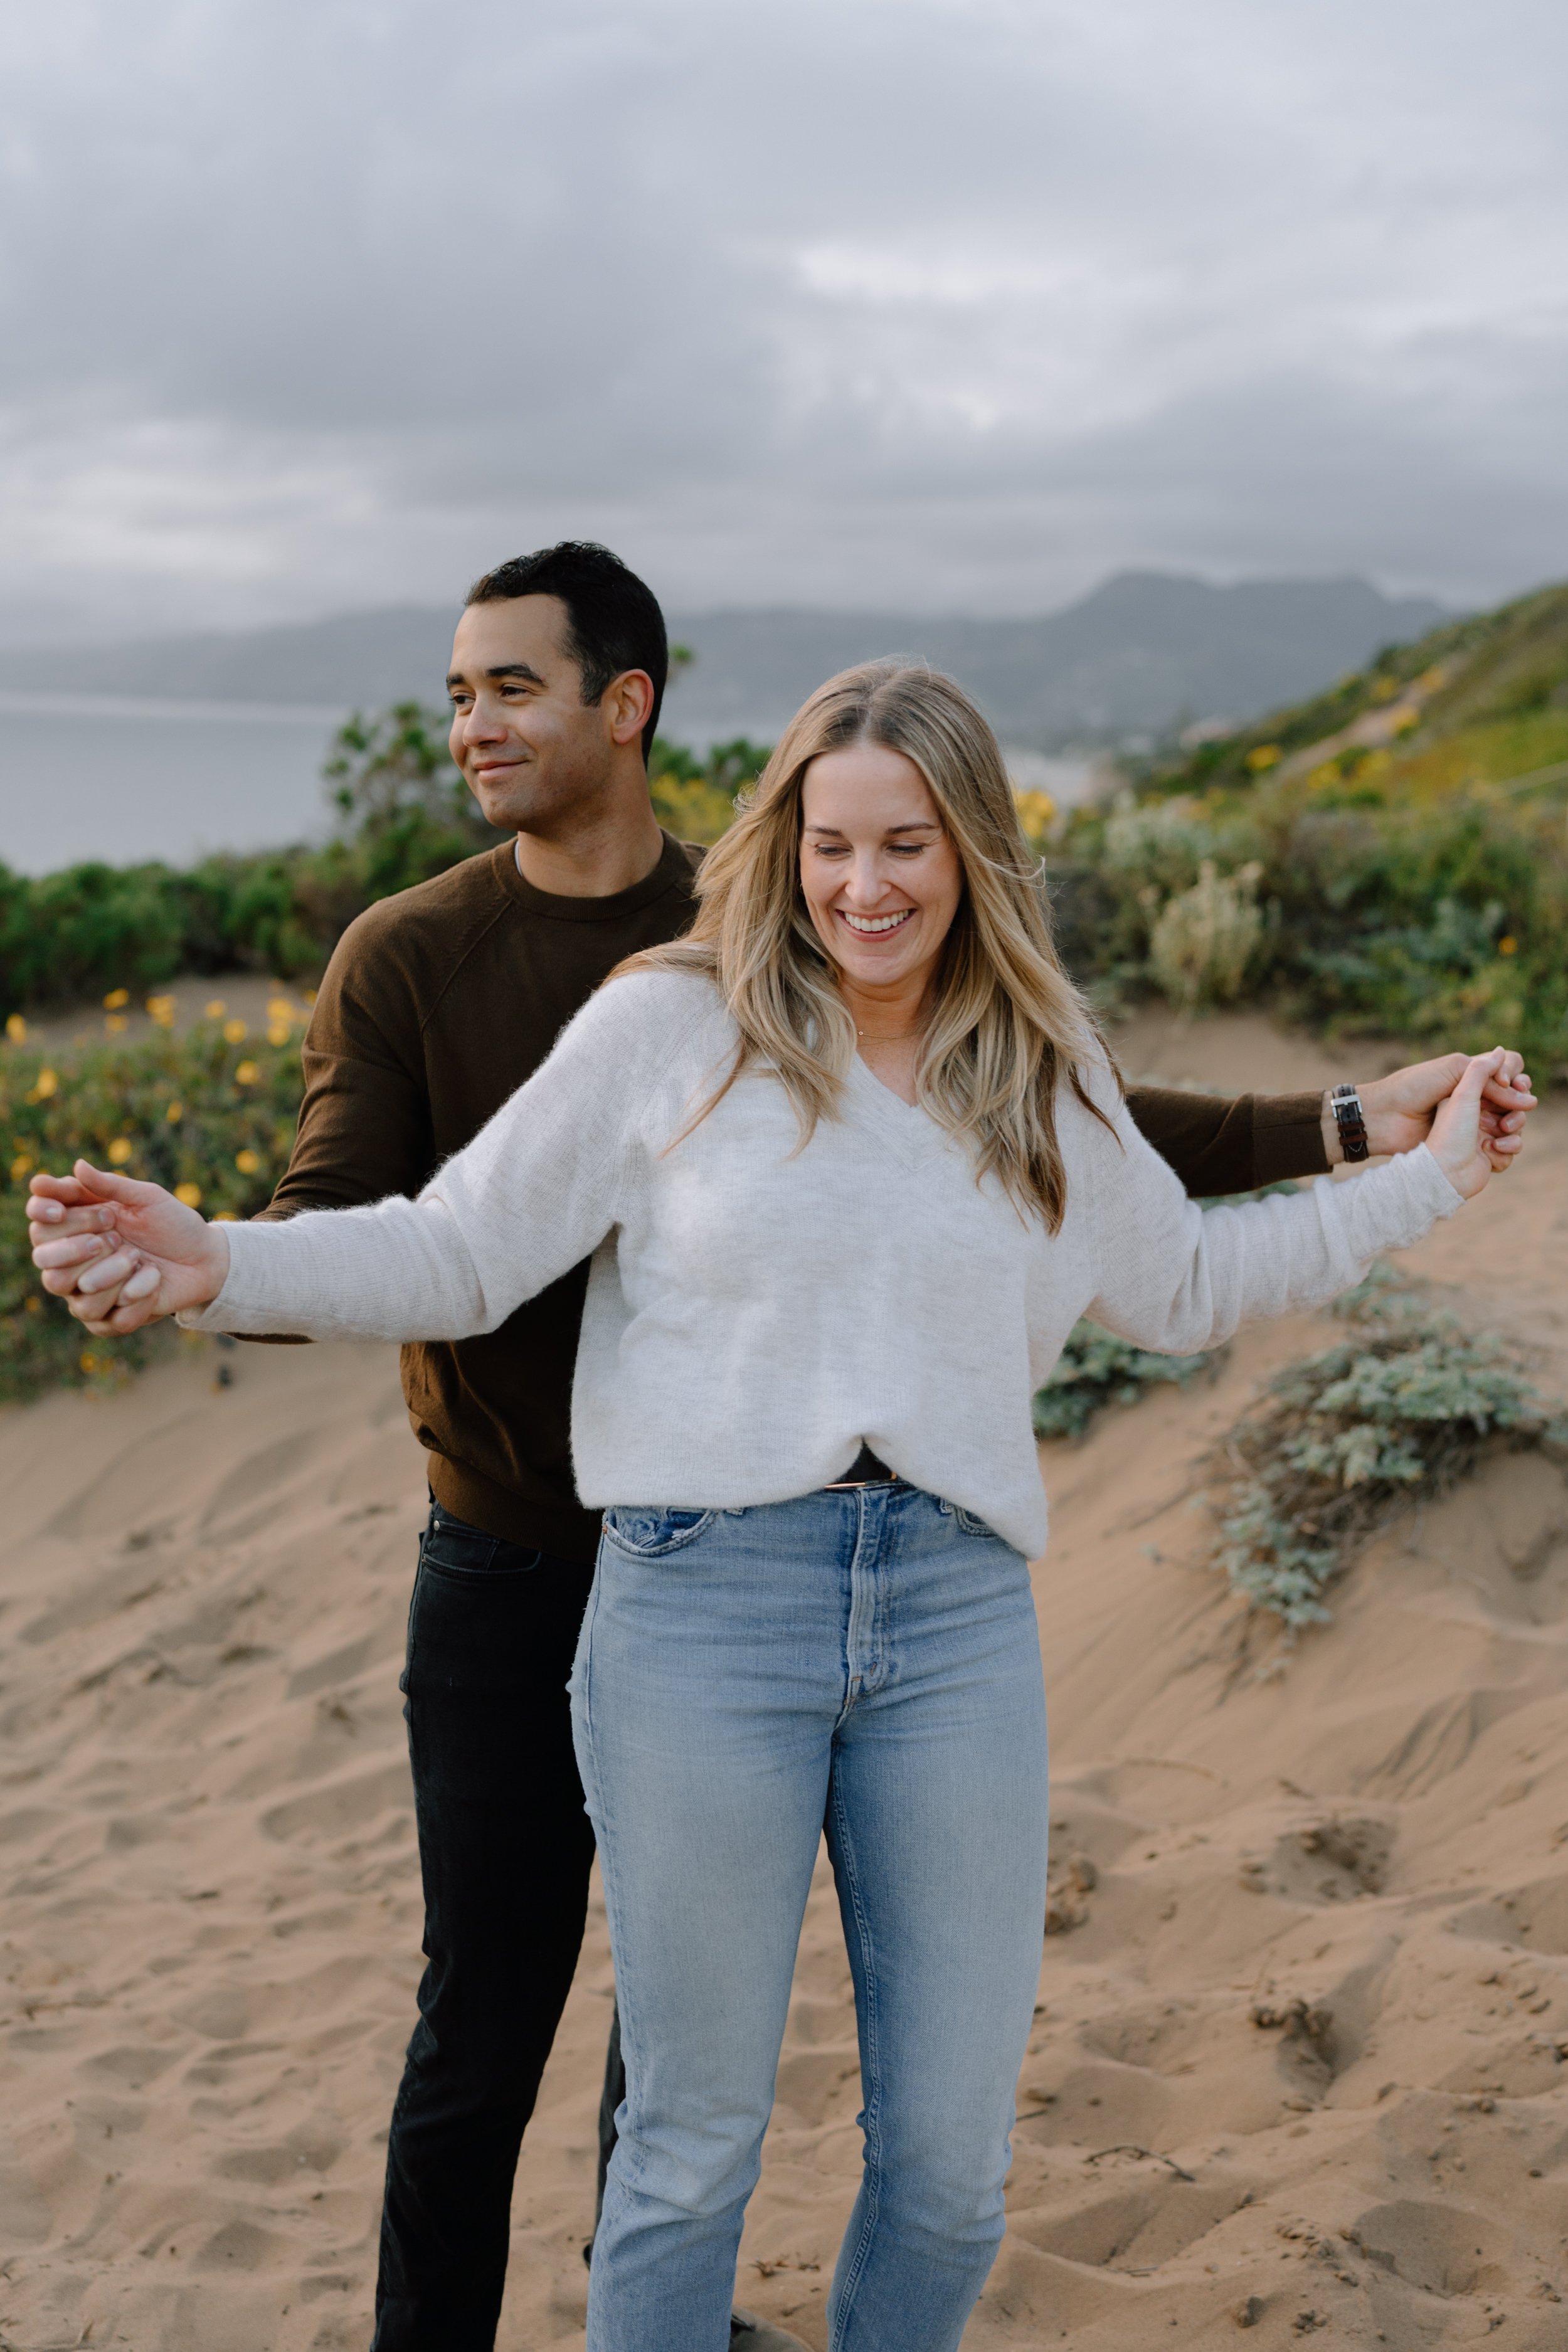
850,1163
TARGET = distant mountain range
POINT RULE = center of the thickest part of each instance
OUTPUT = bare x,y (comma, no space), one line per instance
1145,653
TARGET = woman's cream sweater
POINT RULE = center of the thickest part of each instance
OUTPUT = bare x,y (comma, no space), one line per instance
756,1311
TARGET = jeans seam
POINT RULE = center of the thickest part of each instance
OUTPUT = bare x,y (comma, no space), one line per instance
873,2083
607,1871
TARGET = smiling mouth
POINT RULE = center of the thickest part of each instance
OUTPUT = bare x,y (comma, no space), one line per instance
871,927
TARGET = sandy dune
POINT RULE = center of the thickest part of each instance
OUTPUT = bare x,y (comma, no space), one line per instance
1299,2057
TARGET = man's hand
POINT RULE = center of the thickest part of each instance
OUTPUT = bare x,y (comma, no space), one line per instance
121,1252
1400,1109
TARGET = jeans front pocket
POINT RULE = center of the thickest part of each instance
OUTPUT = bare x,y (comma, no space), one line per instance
453,1549
972,1526
651,1532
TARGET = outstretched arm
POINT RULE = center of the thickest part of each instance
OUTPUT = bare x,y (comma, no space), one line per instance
398,1270
531,1196
1171,1277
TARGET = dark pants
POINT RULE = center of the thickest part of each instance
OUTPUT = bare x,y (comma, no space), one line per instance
505,1848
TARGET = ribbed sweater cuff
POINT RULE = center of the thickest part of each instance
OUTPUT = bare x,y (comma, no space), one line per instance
241,1305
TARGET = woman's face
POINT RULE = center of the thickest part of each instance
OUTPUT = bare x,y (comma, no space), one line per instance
881,878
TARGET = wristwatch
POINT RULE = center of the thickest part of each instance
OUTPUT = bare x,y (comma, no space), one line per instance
1351,1120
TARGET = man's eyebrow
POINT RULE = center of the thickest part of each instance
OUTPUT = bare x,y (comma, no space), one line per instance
501,669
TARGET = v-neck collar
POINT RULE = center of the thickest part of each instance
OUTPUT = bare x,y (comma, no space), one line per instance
912,1130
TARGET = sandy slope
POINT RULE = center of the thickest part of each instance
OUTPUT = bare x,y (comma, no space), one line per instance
1299,2060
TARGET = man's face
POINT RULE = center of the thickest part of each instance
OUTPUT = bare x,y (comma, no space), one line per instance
533,752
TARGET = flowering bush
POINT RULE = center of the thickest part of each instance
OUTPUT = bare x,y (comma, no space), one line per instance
211,1115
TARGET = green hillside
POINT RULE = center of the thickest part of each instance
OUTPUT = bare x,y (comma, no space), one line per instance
1390,856
1484,699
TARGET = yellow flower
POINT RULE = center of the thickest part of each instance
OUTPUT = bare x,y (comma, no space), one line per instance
16,1029
191,1194
21,1166
161,1009
1035,811
45,1085
279,1009
120,1150
33,1305
247,1163
215,1008
234,1032
225,1217
114,1022
247,1074
278,1033
175,1114
1508,945
115,999
1264,755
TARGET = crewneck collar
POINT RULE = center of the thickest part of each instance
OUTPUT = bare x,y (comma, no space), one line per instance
673,871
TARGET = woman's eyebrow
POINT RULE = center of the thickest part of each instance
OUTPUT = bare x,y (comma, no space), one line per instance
915,824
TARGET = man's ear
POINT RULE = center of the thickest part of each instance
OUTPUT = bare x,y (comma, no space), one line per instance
628,701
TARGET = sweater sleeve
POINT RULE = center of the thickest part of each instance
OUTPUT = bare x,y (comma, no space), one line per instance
534,1193
1218,1145
1171,1276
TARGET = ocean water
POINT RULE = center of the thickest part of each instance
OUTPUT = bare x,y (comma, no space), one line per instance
123,779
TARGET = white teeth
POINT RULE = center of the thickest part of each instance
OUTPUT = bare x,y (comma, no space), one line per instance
878,922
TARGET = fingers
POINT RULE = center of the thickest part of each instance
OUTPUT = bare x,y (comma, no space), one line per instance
49,1194
109,1273
72,1249
103,1184
1510,1090
1478,1074
54,1217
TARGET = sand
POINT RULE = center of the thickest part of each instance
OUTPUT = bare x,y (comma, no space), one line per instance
1299,2065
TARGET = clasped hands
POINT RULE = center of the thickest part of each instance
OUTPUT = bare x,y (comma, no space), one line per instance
122,1253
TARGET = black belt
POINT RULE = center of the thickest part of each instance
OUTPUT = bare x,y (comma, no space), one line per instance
868,1469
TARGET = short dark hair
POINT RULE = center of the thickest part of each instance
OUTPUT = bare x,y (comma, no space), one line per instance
613,620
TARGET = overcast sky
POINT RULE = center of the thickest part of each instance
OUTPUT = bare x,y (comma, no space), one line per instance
957,304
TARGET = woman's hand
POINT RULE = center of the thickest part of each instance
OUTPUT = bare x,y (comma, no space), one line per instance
1458,1142
121,1252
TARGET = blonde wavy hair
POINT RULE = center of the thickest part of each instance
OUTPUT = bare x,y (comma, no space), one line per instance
1007,1026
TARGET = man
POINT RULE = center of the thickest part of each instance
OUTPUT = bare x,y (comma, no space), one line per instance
436,1005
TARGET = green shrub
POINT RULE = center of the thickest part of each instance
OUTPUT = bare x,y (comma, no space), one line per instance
1204,939
1095,1370
212,1114
1438,923
1347,1437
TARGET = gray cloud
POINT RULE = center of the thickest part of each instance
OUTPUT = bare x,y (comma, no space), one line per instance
892,302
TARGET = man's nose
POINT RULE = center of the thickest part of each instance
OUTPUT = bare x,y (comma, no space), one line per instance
483,723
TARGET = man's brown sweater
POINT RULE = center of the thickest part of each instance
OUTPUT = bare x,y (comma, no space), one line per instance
436,1005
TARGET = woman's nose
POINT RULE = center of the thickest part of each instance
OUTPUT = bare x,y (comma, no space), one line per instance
866,883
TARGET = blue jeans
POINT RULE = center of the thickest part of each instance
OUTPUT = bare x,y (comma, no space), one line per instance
867,1661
